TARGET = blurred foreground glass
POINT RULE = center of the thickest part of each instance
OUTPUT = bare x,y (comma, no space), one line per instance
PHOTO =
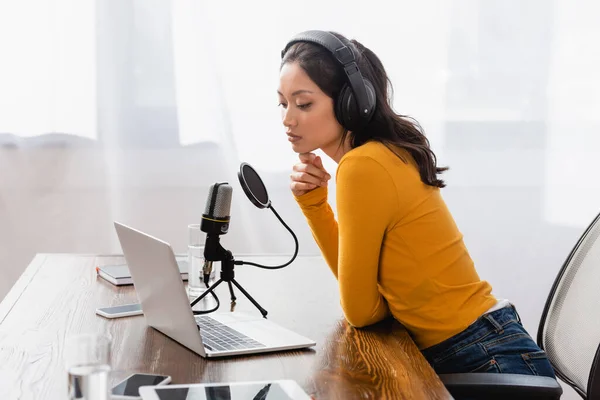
87,360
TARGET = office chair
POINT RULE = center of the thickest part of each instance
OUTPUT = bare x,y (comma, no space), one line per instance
569,332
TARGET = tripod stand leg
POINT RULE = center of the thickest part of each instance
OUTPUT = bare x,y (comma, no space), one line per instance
206,292
262,310
233,298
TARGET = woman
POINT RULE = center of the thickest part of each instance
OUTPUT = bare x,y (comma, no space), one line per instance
395,248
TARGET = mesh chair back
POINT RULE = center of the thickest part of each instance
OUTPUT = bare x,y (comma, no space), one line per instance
570,326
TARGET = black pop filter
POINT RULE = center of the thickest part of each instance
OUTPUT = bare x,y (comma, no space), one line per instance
257,193
253,186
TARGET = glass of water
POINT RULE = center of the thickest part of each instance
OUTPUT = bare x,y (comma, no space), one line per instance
87,359
196,241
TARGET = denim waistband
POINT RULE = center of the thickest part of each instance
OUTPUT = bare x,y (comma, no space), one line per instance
486,324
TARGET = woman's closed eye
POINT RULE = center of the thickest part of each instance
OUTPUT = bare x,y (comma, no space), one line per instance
304,106
300,106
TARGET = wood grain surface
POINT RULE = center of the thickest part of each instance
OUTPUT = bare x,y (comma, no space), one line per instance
58,294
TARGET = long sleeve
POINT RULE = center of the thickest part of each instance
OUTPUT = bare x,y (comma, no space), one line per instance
395,247
322,224
366,203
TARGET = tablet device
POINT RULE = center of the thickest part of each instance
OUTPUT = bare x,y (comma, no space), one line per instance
263,390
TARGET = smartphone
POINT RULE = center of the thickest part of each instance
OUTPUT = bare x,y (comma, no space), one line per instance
125,310
129,388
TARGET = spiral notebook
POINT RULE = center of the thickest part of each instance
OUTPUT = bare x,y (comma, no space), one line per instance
119,274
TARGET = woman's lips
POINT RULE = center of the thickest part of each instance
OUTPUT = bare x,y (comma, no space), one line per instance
293,138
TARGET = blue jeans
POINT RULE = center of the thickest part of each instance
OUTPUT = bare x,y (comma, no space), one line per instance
495,343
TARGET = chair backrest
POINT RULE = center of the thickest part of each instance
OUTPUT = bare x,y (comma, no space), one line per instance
569,330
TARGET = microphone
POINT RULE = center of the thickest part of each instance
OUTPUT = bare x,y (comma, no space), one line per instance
215,222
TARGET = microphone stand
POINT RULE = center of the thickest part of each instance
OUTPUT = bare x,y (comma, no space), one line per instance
218,253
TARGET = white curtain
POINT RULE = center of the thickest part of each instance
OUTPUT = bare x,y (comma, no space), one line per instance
129,109
69,62
48,67
140,105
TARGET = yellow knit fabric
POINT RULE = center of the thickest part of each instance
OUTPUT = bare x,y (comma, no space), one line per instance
395,247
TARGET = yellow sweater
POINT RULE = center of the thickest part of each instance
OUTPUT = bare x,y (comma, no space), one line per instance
395,247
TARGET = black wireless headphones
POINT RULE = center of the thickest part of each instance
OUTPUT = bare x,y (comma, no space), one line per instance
355,104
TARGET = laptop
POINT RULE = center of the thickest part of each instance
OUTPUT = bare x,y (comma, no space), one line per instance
166,306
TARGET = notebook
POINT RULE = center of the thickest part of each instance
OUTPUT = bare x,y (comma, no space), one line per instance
119,274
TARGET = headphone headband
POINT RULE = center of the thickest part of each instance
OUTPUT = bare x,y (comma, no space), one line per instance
336,47
345,57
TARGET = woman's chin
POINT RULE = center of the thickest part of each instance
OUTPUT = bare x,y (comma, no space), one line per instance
302,148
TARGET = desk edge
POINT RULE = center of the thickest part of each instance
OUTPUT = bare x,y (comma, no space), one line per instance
20,285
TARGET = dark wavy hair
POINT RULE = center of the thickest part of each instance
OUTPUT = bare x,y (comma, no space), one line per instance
386,126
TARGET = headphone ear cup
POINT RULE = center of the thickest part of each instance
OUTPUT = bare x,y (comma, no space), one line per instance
342,106
346,109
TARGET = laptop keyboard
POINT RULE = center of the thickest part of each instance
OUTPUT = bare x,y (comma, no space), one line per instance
219,337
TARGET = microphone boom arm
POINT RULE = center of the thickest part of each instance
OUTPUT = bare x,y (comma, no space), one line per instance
240,262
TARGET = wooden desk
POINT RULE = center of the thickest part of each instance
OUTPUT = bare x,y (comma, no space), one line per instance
58,294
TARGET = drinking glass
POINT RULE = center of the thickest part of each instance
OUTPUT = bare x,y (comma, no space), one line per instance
87,359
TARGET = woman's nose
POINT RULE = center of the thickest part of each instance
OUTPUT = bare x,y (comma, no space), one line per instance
288,119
